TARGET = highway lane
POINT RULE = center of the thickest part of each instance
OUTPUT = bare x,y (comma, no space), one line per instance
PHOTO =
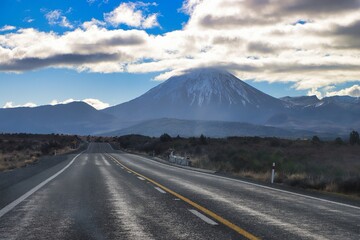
267,213
101,196
94,198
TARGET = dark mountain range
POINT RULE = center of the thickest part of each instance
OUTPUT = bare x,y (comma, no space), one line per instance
207,100
302,101
337,114
72,118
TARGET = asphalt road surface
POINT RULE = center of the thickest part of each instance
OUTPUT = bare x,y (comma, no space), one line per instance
106,194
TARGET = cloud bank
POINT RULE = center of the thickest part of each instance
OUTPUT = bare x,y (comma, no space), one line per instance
95,103
312,44
353,91
12,105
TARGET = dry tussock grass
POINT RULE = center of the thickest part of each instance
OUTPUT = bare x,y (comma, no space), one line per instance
324,166
260,176
17,159
332,187
18,150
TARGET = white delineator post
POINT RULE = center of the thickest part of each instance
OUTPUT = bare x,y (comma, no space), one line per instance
273,173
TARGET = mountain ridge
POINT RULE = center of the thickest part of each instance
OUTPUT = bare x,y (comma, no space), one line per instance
71,118
207,95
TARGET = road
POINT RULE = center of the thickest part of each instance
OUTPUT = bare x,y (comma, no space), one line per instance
106,194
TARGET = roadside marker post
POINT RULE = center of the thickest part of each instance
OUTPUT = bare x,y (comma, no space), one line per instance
273,173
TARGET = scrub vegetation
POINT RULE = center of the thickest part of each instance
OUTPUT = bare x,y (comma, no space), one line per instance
19,150
332,166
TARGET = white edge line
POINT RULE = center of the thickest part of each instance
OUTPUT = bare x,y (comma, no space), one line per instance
203,217
106,162
142,179
13,204
254,184
159,189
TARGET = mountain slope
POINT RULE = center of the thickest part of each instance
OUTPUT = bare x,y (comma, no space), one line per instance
201,94
302,101
72,118
337,114
188,128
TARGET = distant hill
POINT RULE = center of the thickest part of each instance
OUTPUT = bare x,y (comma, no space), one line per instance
71,118
302,101
188,128
337,114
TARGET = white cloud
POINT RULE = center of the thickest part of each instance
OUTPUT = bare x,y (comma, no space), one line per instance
90,2
28,20
56,17
353,91
150,21
65,23
69,10
132,15
56,102
95,49
53,17
314,91
93,23
255,39
189,6
7,28
12,105
95,103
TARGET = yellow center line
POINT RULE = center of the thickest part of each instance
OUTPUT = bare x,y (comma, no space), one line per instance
195,205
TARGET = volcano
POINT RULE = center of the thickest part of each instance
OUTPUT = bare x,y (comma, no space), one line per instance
201,94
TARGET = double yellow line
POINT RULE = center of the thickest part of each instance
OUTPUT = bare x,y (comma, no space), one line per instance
195,205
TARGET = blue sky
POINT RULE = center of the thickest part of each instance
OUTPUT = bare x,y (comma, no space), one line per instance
20,12
44,85
149,40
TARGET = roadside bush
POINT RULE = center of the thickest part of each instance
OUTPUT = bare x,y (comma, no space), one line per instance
339,141
314,164
354,138
315,140
203,140
275,142
45,148
351,185
165,138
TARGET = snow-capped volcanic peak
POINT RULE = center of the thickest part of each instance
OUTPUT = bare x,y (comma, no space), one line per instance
203,86
201,94
209,86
